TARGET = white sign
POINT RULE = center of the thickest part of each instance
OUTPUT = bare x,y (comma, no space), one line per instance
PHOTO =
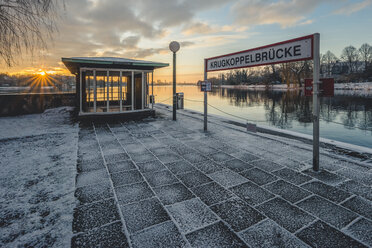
206,86
286,51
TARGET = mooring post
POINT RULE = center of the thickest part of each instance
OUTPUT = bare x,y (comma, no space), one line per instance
316,82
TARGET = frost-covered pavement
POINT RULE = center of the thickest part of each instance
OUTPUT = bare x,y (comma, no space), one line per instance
37,179
159,183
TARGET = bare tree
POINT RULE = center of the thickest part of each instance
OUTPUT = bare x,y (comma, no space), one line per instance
365,52
328,59
350,56
25,25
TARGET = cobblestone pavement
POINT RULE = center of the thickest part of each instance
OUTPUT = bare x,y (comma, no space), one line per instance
160,183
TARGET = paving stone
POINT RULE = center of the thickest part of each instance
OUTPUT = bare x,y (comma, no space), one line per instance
228,178
209,166
161,151
212,193
110,236
133,192
360,206
220,157
247,157
319,234
160,178
237,165
357,188
286,215
191,214
293,164
361,230
266,165
143,214
194,157
181,149
258,176
124,140
145,157
216,235
252,193
110,151
361,177
267,234
121,166
168,158
328,211
137,148
95,192
151,166
329,192
205,149
354,166
91,177
170,194
93,215
126,177
194,179
180,167
325,176
288,191
90,165
292,176
163,235
116,157
237,213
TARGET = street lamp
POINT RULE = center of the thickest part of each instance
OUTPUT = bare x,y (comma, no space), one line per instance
174,46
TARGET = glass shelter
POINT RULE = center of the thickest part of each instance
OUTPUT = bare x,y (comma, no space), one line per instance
112,85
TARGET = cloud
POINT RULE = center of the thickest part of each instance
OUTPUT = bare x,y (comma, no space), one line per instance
197,28
352,8
286,13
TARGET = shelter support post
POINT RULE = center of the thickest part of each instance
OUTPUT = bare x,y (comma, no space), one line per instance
132,90
81,91
121,91
316,82
205,98
152,89
108,91
95,91
143,91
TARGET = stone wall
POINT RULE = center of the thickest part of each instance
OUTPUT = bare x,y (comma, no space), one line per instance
17,104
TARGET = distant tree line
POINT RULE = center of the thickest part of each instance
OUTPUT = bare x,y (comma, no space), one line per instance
353,65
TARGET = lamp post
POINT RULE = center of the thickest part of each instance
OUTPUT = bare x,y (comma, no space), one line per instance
174,46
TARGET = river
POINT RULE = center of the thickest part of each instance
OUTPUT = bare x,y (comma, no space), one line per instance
346,117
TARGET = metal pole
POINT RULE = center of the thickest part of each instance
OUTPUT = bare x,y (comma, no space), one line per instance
121,91
95,91
81,91
108,91
143,91
132,90
174,86
205,99
316,102
152,88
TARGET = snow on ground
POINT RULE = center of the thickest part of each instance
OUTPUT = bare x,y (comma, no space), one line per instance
37,179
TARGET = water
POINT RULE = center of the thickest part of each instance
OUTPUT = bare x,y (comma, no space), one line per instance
344,117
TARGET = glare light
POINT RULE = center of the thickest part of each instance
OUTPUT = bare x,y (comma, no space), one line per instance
174,46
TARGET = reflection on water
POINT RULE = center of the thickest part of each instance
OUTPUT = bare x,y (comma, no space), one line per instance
343,118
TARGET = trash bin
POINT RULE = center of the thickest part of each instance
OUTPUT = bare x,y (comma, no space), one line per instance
180,100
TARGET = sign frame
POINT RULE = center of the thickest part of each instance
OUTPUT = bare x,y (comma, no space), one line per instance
311,37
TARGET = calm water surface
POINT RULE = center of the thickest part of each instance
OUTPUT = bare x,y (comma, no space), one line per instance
344,117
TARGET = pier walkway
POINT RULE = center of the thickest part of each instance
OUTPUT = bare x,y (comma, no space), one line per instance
161,183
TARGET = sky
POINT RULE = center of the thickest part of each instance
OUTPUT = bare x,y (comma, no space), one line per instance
143,29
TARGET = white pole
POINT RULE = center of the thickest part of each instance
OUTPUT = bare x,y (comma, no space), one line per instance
132,90
152,88
81,91
205,98
316,82
95,91
121,91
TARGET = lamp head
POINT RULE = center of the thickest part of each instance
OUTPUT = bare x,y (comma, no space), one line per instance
174,46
